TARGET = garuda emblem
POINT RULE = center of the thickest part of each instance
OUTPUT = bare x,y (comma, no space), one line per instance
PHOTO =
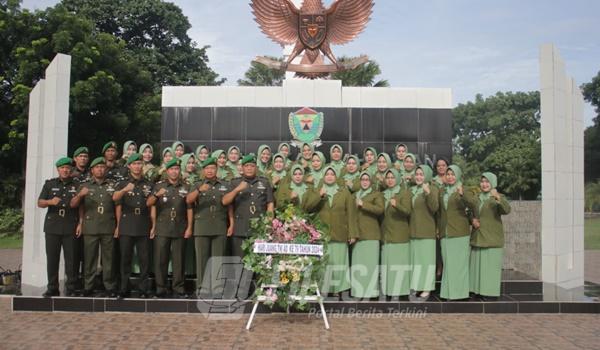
312,29
306,126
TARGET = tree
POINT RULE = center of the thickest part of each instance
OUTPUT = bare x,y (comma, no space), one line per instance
260,75
591,93
363,75
501,134
115,85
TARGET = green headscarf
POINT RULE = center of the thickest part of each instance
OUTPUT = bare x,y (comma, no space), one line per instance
317,175
388,161
301,188
352,176
312,150
362,192
233,166
390,192
143,148
221,171
484,196
287,160
199,148
373,167
263,167
177,143
280,174
450,189
330,190
337,164
165,151
126,146
418,189
412,172
184,160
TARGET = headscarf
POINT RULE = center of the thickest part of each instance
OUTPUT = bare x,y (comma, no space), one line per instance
301,188
388,161
280,174
199,148
390,192
143,148
233,166
165,151
126,146
337,164
373,167
184,160
450,189
176,144
262,167
221,170
312,150
317,175
412,172
362,192
287,160
352,176
330,190
484,196
418,189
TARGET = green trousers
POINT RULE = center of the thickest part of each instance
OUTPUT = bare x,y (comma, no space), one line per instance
54,244
142,247
91,244
208,247
166,248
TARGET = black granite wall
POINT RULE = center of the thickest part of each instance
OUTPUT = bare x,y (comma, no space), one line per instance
425,131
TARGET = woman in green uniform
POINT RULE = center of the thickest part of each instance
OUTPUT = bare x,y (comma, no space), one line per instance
364,273
167,156
337,210
441,165
278,173
305,156
487,239
202,154
149,170
223,171
233,160
317,169
188,169
369,160
395,232
264,160
400,152
296,191
178,149
410,165
350,175
455,231
383,164
336,153
129,148
284,149
425,205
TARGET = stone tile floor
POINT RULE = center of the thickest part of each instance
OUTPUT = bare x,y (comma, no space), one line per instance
25,330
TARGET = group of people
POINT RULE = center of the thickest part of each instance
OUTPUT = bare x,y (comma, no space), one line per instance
388,220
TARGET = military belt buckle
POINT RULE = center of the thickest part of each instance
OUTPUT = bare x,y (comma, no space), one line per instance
101,210
173,214
252,209
137,211
61,213
213,208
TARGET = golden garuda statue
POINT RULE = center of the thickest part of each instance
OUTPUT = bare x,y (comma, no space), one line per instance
312,29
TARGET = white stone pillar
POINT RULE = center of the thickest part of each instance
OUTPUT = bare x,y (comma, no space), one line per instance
47,140
562,173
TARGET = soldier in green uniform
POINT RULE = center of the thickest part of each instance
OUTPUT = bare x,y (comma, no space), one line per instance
97,224
133,223
60,226
171,225
251,196
81,172
213,222
114,171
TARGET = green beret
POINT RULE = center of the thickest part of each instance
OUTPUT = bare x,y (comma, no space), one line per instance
99,160
173,162
209,161
134,157
109,144
64,161
250,158
80,150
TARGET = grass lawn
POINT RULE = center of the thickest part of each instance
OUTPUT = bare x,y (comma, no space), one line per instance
592,233
11,242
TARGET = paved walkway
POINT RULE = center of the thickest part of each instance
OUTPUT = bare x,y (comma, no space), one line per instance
156,331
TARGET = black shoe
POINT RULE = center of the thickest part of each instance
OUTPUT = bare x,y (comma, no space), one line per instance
486,298
51,293
180,295
87,293
71,293
112,294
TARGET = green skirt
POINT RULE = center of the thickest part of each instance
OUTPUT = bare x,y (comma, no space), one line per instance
395,269
422,257
485,272
365,269
337,271
455,276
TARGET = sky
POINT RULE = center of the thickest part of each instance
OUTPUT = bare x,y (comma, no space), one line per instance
469,46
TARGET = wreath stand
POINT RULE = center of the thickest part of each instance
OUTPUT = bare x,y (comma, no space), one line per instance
315,297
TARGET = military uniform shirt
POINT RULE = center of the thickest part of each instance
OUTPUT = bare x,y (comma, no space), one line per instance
60,219
210,216
251,202
171,209
135,216
99,208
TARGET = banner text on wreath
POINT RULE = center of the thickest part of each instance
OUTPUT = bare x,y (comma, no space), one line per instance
288,248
